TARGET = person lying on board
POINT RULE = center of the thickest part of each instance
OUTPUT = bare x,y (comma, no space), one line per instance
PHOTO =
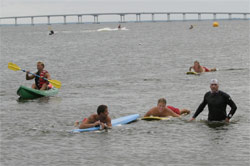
40,83
200,69
161,110
100,119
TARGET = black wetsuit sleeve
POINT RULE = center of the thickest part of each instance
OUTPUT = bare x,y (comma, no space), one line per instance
233,106
201,107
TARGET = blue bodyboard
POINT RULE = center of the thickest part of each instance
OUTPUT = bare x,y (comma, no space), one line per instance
115,122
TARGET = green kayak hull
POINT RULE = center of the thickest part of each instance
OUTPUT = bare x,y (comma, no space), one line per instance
29,93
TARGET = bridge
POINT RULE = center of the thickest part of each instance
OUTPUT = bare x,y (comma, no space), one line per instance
137,15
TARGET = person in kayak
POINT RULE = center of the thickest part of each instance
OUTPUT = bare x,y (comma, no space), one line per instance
200,69
119,26
100,119
40,83
161,110
217,102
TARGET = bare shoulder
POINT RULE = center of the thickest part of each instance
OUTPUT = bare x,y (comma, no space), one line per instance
92,118
151,112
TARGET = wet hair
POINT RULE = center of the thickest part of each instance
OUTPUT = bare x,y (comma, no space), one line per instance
162,100
41,63
101,109
197,62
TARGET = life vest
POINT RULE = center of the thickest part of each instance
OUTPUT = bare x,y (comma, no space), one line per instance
39,81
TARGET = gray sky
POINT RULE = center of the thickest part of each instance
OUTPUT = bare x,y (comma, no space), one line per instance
50,7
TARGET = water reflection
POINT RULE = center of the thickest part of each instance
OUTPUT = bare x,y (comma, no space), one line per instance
42,100
217,125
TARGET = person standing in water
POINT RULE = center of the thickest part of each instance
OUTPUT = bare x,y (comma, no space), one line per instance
217,102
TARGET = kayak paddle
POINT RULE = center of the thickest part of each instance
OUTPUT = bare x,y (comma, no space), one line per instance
14,67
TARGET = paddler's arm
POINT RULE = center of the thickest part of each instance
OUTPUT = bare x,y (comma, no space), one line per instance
150,112
172,113
108,125
47,75
89,123
190,68
29,77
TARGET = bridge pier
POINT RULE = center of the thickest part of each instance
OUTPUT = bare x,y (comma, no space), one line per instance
32,20
168,15
95,19
122,18
138,17
245,16
79,19
184,16
64,20
15,21
214,16
199,16
230,16
48,20
153,17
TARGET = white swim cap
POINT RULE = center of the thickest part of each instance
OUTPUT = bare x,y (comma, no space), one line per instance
214,81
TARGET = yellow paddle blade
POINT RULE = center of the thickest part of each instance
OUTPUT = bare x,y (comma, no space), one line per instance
13,66
55,83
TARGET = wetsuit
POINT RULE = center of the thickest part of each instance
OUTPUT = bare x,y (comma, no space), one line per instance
217,103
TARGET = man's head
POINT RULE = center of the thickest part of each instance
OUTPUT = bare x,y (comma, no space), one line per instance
161,104
102,110
40,66
196,63
214,85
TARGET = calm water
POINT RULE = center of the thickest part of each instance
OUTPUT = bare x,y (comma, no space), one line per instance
127,70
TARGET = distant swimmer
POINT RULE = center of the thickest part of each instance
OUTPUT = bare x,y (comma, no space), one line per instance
100,119
51,32
119,26
217,102
200,69
161,110
191,27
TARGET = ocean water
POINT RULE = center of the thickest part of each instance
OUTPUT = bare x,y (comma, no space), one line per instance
128,70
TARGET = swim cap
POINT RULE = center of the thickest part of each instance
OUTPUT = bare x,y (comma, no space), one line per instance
214,81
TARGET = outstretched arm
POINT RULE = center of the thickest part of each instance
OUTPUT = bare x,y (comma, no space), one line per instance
199,109
149,113
29,77
190,68
89,123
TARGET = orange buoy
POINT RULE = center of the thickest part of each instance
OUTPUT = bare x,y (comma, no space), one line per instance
215,24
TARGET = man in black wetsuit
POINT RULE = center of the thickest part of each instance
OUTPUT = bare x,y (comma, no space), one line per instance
217,102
